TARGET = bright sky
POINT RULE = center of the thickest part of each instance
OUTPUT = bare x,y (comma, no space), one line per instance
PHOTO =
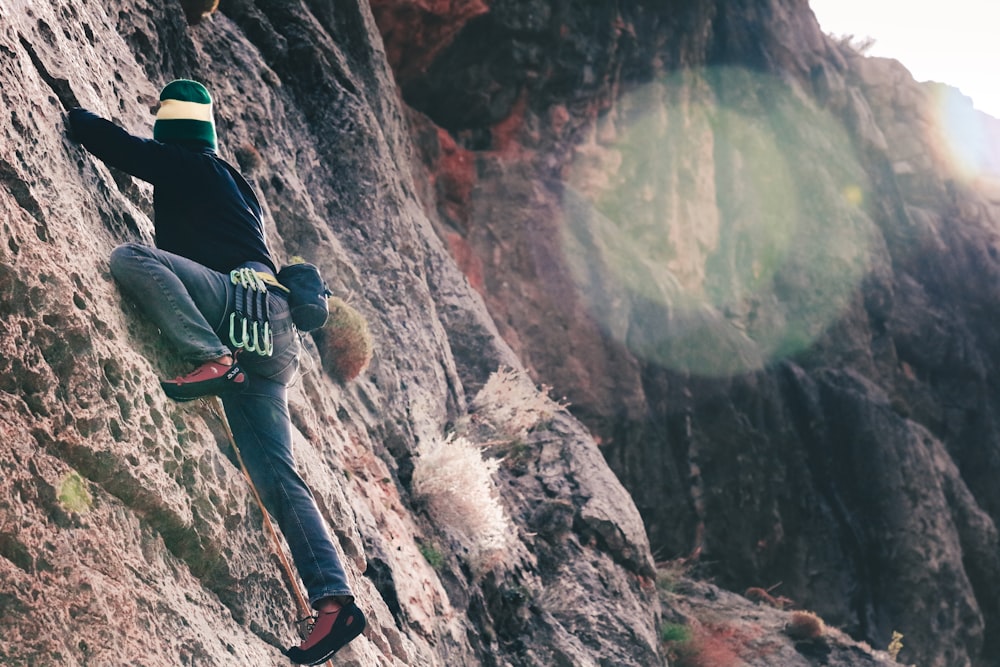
955,42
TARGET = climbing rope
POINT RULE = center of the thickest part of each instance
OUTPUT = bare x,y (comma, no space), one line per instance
304,608
303,605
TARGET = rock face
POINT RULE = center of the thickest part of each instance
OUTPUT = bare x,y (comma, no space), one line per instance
727,240
763,270
127,535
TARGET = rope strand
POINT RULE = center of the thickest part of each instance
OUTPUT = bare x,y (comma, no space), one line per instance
216,406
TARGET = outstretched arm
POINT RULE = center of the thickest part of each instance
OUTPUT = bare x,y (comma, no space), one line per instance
143,158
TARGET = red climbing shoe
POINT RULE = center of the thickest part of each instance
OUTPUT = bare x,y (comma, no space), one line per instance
330,632
209,379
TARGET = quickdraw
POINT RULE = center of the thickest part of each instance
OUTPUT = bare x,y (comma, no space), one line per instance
249,328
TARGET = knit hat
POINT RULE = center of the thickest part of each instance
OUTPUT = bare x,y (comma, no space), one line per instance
185,114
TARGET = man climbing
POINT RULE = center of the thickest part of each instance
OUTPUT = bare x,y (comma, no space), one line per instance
211,264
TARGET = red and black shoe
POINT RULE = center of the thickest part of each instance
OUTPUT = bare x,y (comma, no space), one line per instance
330,632
209,379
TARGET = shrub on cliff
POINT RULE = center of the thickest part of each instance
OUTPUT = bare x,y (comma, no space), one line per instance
345,344
196,10
507,407
456,483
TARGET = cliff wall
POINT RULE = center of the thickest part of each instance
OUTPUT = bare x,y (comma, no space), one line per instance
127,535
789,371
761,267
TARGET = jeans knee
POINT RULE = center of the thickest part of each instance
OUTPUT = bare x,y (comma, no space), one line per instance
123,257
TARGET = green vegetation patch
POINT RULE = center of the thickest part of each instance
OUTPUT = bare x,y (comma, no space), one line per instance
676,633
73,493
433,557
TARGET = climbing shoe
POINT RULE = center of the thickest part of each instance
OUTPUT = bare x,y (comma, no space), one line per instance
209,379
330,632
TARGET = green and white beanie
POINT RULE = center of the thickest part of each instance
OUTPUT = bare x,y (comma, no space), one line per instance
185,114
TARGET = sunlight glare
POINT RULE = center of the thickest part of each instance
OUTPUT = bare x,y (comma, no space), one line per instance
967,138
723,234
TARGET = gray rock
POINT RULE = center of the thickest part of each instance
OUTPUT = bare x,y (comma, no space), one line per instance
127,534
762,269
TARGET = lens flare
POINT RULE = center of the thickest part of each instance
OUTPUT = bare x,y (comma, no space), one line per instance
967,139
716,222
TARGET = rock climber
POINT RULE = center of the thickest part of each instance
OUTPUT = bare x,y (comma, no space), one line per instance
210,253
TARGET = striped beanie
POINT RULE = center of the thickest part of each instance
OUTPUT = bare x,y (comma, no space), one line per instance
185,114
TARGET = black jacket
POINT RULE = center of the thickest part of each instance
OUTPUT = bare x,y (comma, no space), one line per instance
203,209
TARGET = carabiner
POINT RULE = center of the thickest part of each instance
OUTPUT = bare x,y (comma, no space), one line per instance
268,340
232,332
253,347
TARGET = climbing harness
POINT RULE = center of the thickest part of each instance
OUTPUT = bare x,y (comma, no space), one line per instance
299,282
249,328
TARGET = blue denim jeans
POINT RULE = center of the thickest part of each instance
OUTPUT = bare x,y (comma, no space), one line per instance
191,304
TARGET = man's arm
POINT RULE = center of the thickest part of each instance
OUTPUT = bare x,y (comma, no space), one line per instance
143,158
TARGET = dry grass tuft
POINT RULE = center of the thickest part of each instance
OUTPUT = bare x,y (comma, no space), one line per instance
895,645
454,479
805,625
761,596
512,405
248,157
456,483
196,10
344,342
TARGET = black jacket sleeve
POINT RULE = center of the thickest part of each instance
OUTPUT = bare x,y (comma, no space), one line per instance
143,158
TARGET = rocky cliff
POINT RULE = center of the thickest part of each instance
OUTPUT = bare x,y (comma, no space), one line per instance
127,535
761,267
715,231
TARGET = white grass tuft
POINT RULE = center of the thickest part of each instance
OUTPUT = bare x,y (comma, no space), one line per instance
512,404
451,476
455,481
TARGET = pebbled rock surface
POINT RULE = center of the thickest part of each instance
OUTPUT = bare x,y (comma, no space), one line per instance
127,535
761,267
